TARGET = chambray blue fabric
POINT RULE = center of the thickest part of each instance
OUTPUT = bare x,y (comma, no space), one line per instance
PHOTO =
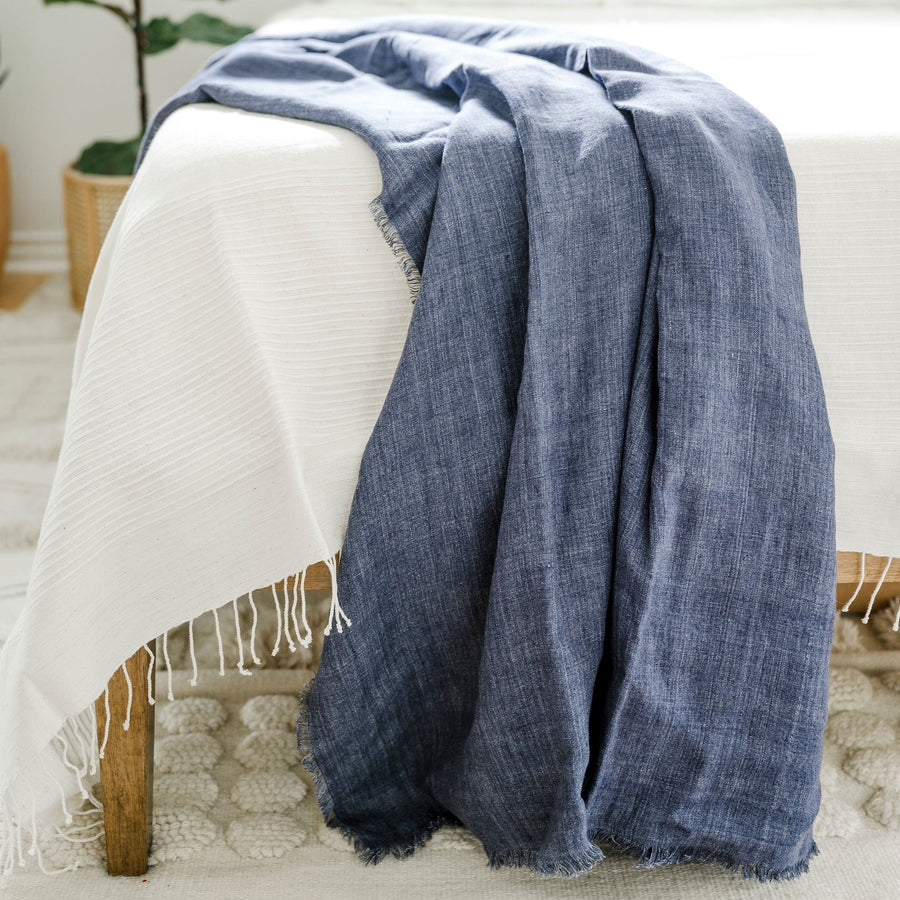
590,560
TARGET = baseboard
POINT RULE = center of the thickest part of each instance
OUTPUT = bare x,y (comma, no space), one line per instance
37,251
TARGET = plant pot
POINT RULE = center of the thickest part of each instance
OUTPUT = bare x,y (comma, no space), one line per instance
5,208
90,203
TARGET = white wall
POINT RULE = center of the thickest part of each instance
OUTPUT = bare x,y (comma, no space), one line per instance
72,82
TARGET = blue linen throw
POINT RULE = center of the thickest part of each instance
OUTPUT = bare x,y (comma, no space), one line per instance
590,558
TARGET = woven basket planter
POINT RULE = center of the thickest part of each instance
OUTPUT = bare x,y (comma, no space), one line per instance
90,203
5,212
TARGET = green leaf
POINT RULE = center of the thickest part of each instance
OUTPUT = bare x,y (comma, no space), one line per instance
109,157
212,30
162,33
88,2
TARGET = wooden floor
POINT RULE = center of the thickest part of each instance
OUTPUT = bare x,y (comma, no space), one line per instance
17,287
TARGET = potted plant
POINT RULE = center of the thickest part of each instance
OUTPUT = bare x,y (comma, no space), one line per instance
5,202
95,184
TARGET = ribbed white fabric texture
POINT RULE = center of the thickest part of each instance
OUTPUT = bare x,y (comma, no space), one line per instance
245,321
239,338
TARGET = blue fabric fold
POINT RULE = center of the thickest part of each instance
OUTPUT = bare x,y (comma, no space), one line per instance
590,560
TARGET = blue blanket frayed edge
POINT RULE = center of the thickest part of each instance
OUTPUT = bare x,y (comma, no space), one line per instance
647,857
398,248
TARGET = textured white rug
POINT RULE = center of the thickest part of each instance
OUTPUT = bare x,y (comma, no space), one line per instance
235,816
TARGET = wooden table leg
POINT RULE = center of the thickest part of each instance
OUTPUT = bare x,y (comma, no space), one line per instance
126,770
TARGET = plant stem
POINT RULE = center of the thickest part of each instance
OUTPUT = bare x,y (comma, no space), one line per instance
117,11
138,28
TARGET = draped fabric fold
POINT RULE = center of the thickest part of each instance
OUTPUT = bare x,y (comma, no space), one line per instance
590,558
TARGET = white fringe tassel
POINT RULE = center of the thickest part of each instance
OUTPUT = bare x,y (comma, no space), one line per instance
335,613
62,793
240,640
170,695
292,647
874,594
862,578
126,725
19,845
256,660
215,613
278,620
77,741
884,573
192,653
303,639
150,666
307,638
78,772
106,722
